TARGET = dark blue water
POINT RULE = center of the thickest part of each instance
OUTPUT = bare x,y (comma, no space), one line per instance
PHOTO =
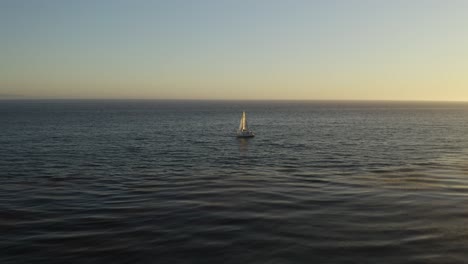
167,182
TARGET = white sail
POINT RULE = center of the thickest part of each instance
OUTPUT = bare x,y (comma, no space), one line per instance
243,129
241,123
244,122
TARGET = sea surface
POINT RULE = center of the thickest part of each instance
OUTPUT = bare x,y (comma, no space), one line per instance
168,182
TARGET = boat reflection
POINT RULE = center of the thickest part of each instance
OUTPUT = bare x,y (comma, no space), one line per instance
243,144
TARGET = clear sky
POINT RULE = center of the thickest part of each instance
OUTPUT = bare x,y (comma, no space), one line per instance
236,49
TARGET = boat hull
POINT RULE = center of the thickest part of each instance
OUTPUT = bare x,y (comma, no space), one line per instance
245,136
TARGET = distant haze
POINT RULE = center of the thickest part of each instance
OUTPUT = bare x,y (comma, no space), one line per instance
239,49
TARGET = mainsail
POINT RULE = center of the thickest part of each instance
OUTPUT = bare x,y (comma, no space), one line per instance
243,123
244,131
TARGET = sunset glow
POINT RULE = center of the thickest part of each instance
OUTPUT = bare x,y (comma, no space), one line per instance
384,50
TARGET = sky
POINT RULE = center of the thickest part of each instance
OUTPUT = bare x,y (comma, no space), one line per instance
234,49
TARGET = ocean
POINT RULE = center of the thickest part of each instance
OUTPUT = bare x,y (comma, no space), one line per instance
148,181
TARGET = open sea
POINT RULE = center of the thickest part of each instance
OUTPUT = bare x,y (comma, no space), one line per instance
168,182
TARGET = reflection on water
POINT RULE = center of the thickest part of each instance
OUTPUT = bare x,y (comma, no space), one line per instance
243,144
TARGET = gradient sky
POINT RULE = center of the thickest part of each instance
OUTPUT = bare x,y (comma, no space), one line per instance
238,49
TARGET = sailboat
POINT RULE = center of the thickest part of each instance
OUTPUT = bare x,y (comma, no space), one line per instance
244,131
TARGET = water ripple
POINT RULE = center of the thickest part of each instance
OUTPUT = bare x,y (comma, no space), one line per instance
154,182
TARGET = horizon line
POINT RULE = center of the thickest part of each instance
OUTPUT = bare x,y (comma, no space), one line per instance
201,99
